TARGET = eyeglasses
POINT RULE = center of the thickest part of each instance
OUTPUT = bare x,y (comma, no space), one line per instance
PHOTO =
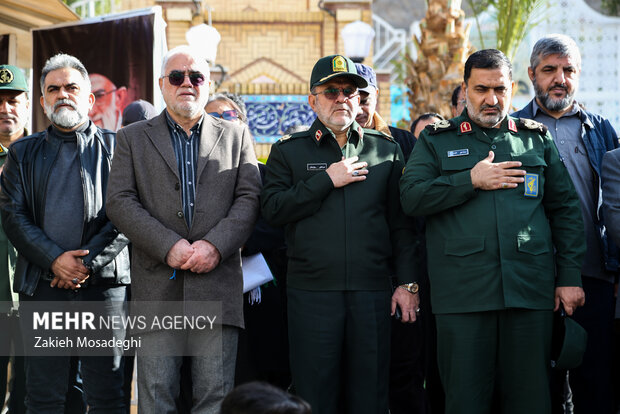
230,115
100,93
333,93
177,77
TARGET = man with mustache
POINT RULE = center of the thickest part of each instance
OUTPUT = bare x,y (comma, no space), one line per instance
184,188
582,138
501,216
110,101
334,188
53,212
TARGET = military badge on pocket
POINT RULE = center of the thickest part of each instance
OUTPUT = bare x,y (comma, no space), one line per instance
531,185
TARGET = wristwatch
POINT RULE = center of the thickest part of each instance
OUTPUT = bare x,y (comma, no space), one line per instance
410,287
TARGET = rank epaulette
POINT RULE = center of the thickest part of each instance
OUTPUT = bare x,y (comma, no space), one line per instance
289,137
440,126
525,123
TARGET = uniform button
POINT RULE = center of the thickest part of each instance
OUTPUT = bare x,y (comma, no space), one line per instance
493,147
177,186
179,214
562,142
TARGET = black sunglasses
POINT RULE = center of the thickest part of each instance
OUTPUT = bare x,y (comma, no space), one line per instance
333,93
177,77
229,115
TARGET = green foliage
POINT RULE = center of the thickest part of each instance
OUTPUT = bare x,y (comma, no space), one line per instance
611,7
101,7
514,19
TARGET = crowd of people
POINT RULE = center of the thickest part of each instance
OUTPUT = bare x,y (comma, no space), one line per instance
416,271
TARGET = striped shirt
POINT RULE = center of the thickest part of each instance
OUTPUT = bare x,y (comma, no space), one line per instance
186,153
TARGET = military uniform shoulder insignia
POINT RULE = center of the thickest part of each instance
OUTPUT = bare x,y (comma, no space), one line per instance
440,126
284,138
318,134
465,127
532,125
511,125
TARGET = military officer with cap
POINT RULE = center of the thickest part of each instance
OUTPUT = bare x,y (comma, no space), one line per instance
14,108
505,244
335,189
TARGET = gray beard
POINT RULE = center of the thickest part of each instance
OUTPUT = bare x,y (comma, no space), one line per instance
65,117
551,104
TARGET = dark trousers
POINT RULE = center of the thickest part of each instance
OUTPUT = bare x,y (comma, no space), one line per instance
48,377
505,352
339,349
407,393
591,382
10,336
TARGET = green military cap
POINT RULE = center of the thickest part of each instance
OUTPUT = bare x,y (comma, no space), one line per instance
12,78
568,342
330,67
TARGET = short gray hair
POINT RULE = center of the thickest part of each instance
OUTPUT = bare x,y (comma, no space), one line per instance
185,50
555,44
61,61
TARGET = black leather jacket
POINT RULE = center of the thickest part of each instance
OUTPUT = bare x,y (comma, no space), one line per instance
22,204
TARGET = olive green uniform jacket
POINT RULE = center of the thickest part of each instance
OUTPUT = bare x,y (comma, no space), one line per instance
8,258
491,250
350,238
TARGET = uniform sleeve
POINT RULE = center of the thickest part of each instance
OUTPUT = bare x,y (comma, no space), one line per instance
404,234
563,210
285,202
610,177
424,190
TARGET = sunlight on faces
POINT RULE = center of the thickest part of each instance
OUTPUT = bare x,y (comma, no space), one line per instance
186,101
66,99
555,81
337,114
488,94
14,106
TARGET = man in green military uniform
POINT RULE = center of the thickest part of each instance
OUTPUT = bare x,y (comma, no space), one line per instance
505,244
14,109
335,189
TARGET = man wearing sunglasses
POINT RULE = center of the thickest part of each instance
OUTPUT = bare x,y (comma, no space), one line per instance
184,187
335,189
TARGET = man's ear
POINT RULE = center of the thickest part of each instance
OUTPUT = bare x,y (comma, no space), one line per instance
42,100
312,101
514,89
530,73
121,97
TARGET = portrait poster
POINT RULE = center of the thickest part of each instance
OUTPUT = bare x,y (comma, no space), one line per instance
4,49
118,52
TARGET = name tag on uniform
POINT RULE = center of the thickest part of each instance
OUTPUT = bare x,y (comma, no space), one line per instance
531,185
316,166
458,153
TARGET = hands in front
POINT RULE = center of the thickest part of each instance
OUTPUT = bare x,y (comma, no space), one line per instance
487,175
69,270
347,171
198,257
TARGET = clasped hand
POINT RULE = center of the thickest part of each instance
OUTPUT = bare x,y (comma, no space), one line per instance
69,270
198,257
